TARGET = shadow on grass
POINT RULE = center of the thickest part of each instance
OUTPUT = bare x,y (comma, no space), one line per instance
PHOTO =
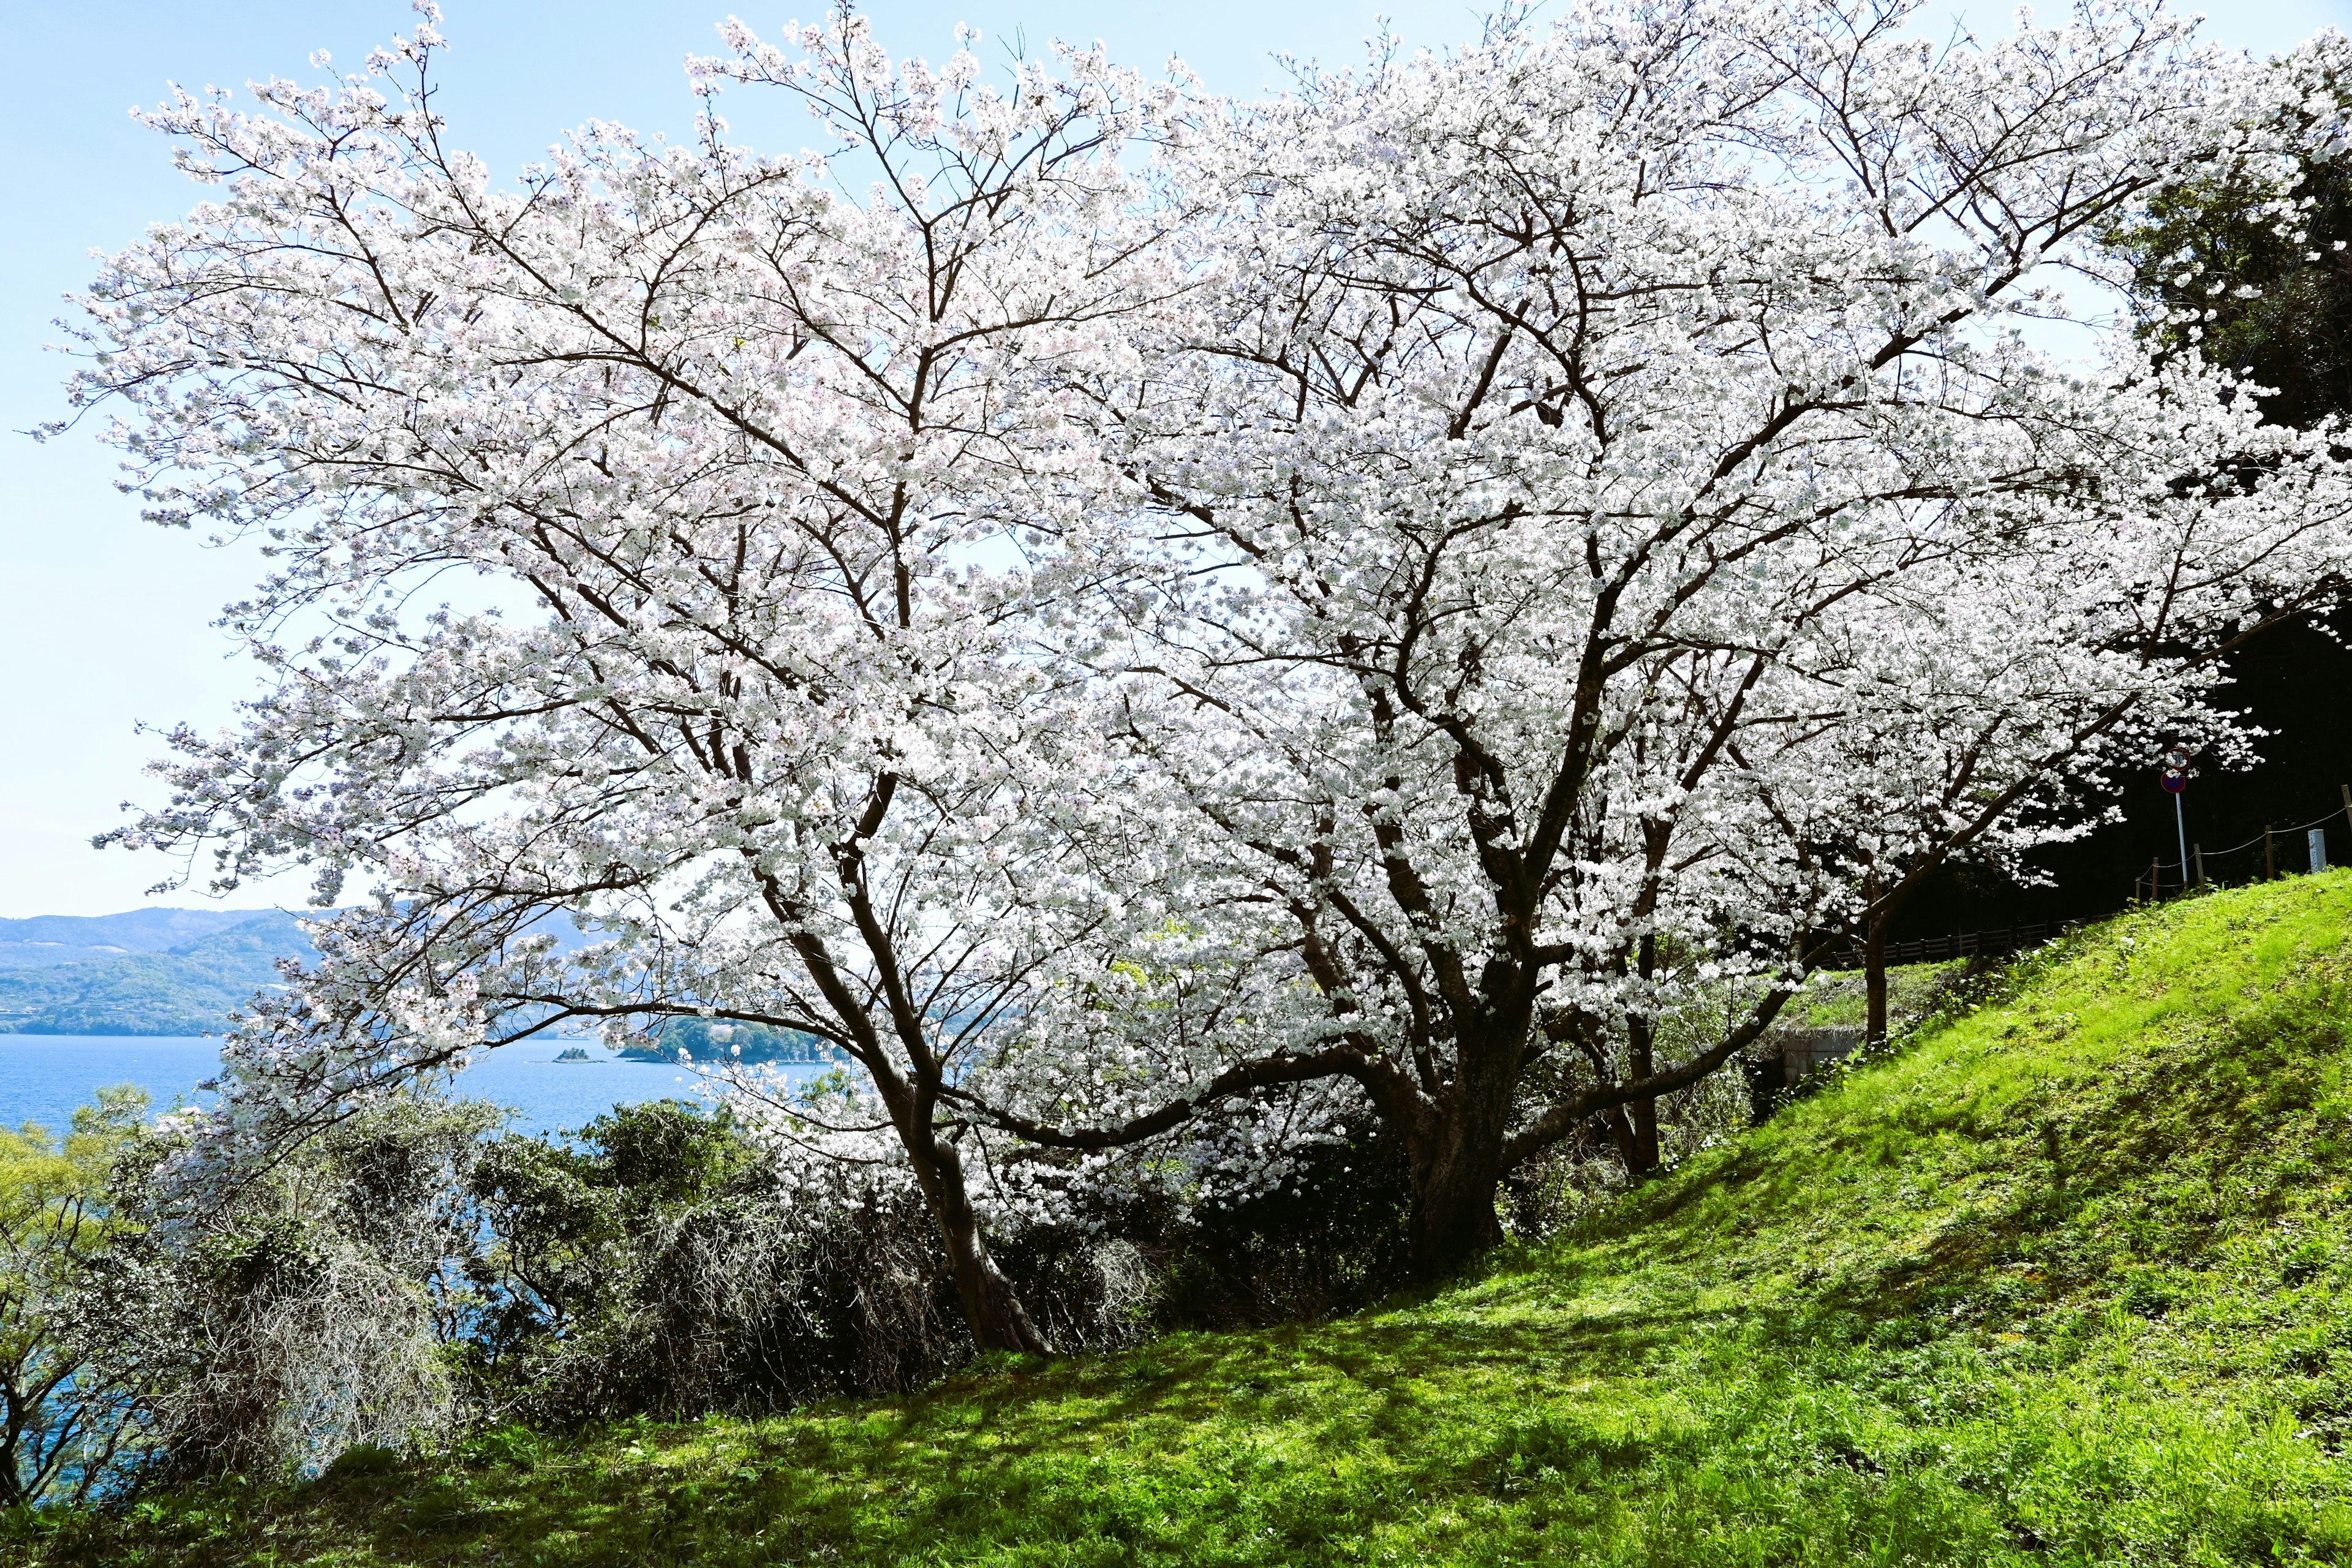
1292,1445
1536,1403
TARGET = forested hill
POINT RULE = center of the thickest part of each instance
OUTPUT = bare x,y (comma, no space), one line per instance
147,972
155,971
42,941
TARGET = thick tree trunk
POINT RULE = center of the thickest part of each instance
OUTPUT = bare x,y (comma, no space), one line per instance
1454,1219
991,1306
1874,957
11,1486
1645,1137
1874,967
1458,1161
1620,1136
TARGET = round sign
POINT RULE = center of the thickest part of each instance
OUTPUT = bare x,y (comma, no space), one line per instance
2175,782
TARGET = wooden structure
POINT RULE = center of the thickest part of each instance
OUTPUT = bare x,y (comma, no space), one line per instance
1963,944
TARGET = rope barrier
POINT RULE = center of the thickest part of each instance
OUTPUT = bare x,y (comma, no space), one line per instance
2248,843
2193,871
2013,938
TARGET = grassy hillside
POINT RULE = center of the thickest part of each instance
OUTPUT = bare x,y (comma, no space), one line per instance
2062,1283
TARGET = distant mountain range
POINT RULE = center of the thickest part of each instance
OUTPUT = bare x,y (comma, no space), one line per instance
182,972
146,971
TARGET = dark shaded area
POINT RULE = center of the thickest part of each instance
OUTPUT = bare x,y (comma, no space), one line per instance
1330,1239
2293,334
2295,682
653,1265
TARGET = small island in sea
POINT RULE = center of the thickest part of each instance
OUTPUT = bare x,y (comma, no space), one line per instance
575,1054
703,1040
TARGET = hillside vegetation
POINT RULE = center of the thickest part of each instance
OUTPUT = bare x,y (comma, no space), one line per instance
164,972
111,975
2060,1283
40,941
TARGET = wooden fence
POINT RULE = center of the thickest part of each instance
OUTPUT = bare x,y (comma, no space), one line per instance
1963,944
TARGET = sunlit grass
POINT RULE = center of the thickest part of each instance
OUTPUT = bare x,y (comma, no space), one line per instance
2058,1284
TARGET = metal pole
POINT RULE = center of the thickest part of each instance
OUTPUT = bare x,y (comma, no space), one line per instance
2181,828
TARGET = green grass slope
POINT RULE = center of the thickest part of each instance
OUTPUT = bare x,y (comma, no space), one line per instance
2061,1283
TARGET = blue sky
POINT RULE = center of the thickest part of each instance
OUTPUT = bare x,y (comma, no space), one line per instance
104,620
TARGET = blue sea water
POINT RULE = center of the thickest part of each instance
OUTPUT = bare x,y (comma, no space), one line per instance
44,1076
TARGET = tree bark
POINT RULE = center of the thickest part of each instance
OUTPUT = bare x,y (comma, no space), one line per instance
1873,961
989,1304
991,1307
1874,981
1621,1135
1458,1158
1645,1136
1641,1144
1883,909
1453,1219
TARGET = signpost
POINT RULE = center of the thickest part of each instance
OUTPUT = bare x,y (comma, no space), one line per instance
2175,780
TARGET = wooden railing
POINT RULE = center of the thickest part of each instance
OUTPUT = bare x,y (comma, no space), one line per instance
1962,944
